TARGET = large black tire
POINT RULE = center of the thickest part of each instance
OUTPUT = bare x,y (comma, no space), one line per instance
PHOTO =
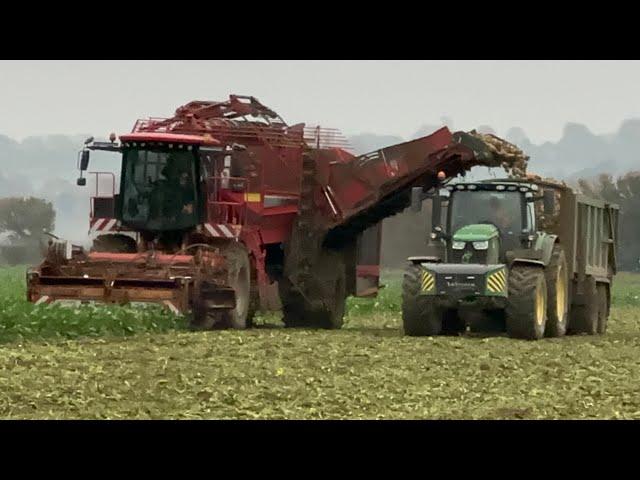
526,311
603,307
329,298
420,314
557,278
239,278
114,243
332,271
583,318
293,305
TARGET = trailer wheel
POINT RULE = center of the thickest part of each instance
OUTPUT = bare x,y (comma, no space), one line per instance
584,317
526,312
558,294
114,243
420,315
603,307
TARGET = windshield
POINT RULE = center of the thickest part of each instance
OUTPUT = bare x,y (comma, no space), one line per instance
159,189
502,209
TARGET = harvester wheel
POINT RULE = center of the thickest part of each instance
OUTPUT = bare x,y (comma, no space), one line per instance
584,317
293,305
329,298
603,307
331,272
558,294
114,243
239,278
526,312
420,315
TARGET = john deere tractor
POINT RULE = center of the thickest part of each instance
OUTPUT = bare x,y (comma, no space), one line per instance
492,267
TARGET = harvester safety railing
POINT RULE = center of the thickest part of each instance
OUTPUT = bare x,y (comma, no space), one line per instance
222,129
224,210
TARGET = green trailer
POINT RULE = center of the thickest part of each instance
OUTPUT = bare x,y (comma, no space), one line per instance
532,257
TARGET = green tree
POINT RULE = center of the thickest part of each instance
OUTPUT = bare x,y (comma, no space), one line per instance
26,218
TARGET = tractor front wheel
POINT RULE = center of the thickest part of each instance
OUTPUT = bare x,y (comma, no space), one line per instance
526,312
420,315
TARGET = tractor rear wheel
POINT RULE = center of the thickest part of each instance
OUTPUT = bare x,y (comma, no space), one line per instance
526,312
420,314
584,317
558,294
603,307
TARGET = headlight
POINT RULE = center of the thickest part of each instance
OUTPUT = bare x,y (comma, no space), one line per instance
457,245
481,245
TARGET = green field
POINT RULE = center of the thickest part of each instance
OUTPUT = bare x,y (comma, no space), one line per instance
66,362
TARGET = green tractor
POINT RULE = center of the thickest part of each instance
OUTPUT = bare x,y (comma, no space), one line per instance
532,258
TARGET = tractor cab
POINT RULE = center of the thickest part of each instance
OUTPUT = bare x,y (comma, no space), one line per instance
487,219
480,222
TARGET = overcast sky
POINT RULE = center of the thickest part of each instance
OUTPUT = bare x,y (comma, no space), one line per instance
384,97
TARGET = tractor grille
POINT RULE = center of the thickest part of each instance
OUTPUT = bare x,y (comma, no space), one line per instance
469,255
460,284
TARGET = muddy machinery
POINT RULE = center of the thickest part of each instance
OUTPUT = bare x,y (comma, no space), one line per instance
224,209
526,255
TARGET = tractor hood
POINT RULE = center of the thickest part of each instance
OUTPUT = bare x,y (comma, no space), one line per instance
475,233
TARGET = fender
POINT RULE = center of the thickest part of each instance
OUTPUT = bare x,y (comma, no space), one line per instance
527,261
545,242
539,255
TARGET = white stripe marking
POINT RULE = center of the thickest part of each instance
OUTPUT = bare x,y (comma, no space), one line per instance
96,226
226,231
210,229
172,307
42,299
110,224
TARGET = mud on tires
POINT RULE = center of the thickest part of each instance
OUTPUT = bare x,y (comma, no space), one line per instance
329,302
603,307
557,278
584,316
420,315
526,312
239,277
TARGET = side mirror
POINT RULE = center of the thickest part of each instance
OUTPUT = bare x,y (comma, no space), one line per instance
549,202
84,160
81,182
416,199
89,140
